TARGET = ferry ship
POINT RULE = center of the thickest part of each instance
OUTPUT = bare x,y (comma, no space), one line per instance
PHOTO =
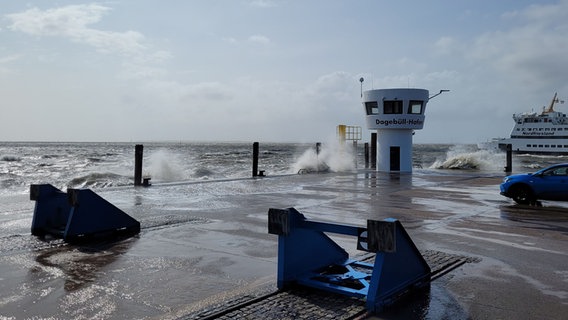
544,133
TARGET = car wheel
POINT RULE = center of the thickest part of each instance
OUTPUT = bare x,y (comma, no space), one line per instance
522,195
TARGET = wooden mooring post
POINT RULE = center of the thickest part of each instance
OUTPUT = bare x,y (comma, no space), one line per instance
138,155
255,148
509,165
255,154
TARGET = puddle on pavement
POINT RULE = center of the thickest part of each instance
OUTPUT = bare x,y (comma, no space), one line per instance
430,303
525,213
537,218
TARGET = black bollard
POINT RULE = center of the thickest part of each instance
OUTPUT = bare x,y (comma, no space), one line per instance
255,159
318,148
373,150
138,154
509,165
366,155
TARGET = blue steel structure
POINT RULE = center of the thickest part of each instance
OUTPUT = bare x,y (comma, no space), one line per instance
78,215
51,211
308,257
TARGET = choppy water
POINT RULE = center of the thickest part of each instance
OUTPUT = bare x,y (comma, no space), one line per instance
101,165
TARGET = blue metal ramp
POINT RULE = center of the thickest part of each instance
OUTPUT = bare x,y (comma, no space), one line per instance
78,215
308,257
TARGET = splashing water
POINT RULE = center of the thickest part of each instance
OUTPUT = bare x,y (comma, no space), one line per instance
332,157
165,166
462,157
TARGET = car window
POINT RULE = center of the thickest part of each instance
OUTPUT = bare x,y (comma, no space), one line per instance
561,171
548,172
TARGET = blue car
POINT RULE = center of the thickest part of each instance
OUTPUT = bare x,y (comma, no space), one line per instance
547,184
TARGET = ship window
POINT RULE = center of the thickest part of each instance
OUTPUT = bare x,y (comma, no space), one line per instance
415,107
528,145
547,129
392,107
559,146
540,145
547,146
553,146
530,129
565,146
539,129
534,145
372,107
559,129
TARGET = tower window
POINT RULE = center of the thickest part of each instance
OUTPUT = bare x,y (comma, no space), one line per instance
392,107
415,107
372,107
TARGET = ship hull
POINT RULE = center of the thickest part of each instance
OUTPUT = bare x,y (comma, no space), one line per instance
536,146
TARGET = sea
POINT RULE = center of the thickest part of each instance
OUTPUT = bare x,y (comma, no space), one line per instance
111,164
168,267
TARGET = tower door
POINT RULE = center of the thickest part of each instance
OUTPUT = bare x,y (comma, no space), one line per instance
394,158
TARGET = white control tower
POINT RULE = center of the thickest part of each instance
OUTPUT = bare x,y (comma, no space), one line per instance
395,114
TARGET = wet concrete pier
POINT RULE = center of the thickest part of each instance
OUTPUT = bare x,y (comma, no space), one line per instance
204,247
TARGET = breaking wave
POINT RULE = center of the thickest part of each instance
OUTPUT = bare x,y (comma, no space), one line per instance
332,157
99,180
465,157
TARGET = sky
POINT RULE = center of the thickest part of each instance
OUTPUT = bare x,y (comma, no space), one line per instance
272,70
